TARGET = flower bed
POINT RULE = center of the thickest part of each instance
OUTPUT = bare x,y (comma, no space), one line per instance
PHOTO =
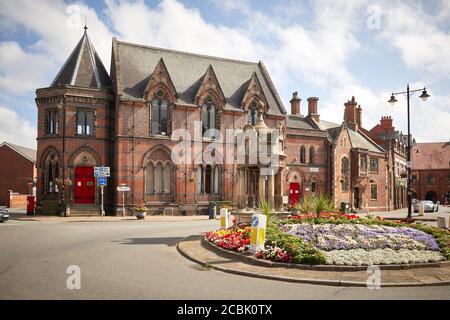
233,239
341,240
358,236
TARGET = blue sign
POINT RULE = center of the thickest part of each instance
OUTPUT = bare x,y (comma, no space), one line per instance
101,181
255,221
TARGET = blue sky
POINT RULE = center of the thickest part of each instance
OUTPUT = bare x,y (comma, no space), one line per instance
330,49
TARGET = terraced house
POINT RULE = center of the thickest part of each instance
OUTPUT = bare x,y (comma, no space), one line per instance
135,118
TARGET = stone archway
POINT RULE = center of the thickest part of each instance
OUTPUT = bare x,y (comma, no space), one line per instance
81,172
357,197
431,195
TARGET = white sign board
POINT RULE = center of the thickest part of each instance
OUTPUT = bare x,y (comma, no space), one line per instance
123,188
313,169
101,172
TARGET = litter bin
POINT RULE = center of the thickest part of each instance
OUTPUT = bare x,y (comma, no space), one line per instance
31,205
345,207
212,210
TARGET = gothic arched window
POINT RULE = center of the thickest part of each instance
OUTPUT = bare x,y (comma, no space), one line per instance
302,154
158,178
160,113
311,155
209,117
252,113
208,179
345,166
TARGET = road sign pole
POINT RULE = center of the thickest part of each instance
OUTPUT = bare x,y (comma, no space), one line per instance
123,203
103,210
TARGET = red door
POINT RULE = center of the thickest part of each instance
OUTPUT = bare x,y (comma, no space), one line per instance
84,186
294,194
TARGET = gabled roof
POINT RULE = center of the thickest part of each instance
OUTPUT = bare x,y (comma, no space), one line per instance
83,68
434,155
135,63
359,140
28,153
209,81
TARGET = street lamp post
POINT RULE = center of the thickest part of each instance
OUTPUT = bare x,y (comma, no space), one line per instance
424,96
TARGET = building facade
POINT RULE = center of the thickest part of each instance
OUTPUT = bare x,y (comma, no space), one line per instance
395,144
431,171
184,129
17,171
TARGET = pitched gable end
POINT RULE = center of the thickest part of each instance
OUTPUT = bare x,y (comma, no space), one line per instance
160,79
253,91
209,85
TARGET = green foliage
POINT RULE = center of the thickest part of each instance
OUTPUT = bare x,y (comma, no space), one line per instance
314,205
265,209
302,252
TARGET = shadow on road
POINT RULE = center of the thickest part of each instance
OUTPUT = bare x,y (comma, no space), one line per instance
169,241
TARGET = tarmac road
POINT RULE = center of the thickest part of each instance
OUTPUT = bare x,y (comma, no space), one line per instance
139,260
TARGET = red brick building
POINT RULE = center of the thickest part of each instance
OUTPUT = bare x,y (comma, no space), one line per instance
17,171
162,122
431,171
395,144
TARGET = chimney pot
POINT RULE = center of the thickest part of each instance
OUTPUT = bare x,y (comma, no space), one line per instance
312,108
295,104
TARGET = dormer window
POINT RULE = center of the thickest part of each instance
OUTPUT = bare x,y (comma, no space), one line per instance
209,111
159,113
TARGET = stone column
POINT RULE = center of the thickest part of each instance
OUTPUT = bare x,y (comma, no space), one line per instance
271,191
261,189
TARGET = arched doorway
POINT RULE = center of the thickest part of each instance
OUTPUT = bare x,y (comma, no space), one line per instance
357,198
431,195
294,193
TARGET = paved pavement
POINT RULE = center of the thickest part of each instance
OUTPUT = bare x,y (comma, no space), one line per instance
139,260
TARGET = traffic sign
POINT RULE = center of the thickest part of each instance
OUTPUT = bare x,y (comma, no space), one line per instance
102,181
123,188
101,172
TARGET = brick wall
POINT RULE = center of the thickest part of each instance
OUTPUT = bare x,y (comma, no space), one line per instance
15,173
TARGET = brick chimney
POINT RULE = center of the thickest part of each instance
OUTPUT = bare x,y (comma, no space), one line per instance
386,123
312,108
350,111
359,115
295,104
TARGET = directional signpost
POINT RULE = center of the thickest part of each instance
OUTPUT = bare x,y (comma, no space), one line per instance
123,188
101,173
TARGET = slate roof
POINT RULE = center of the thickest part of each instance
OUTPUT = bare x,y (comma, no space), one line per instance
359,141
83,68
434,155
134,64
298,122
28,153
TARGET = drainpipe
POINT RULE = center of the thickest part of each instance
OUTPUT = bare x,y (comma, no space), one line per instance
133,155
185,162
63,156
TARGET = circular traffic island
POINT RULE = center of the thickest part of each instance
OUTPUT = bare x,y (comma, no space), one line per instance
339,242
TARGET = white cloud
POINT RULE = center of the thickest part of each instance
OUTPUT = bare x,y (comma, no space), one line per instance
423,45
22,71
175,26
15,129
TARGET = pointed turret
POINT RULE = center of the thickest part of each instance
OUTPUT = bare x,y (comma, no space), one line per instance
83,68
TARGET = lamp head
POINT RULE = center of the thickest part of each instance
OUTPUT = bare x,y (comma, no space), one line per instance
392,100
424,96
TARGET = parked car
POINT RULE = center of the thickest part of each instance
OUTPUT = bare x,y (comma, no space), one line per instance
429,206
4,215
